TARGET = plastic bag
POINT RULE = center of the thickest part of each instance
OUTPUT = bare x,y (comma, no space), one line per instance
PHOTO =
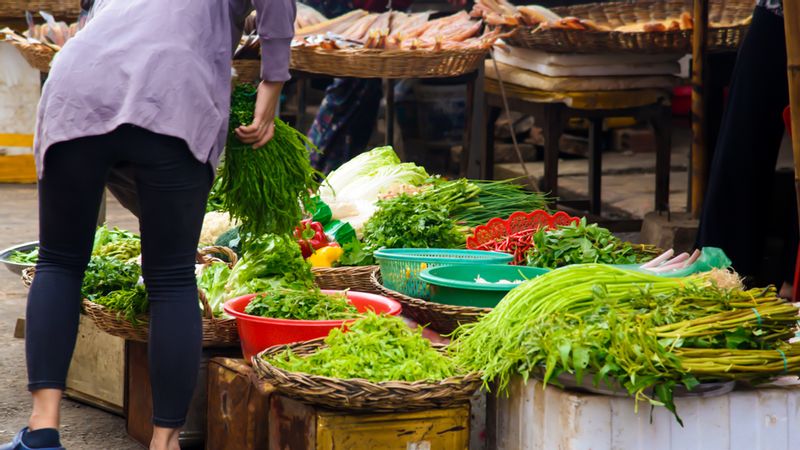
710,258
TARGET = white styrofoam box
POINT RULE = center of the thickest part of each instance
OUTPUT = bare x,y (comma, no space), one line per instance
533,417
19,96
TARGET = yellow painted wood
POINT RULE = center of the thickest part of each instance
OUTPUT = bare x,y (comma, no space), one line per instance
17,169
16,140
444,429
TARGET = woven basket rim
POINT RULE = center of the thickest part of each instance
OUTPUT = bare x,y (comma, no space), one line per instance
440,308
319,343
378,396
392,53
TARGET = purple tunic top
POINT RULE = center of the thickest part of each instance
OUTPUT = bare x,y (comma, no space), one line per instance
163,65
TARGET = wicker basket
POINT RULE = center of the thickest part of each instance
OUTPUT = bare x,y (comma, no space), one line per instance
363,395
216,332
728,18
356,279
38,55
247,70
441,318
374,63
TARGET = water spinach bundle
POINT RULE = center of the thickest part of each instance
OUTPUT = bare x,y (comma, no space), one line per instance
266,188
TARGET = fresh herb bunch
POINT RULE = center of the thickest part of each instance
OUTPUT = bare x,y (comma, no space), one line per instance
375,348
129,303
581,243
107,274
215,200
297,304
475,202
266,189
269,262
29,257
411,221
642,332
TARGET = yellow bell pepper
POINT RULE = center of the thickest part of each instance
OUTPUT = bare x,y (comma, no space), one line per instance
326,256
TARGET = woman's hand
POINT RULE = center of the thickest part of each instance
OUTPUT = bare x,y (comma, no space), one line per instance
263,127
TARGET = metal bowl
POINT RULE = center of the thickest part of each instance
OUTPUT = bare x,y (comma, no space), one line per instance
15,267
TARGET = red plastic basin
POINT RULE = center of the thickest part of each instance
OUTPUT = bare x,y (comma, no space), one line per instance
259,333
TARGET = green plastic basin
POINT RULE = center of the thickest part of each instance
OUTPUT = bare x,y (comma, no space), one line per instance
457,285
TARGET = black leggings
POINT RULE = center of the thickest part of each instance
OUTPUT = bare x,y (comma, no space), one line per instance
172,187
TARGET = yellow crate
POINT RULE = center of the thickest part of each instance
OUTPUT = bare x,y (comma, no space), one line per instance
17,169
296,426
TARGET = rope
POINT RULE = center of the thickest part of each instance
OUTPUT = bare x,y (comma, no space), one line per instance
785,362
758,316
511,124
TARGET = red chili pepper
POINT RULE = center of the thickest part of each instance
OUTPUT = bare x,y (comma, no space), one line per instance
310,236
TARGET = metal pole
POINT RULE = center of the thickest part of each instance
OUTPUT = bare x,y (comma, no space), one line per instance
791,18
699,171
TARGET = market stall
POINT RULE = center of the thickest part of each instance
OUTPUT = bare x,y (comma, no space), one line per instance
392,46
383,306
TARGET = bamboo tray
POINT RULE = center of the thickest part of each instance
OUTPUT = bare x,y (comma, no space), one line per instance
374,63
728,19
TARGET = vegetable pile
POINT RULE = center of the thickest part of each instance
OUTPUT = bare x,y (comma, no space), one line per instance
642,332
301,305
29,257
269,262
410,221
582,243
116,243
266,188
375,348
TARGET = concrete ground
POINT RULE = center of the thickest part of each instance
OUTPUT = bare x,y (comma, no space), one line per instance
628,180
84,427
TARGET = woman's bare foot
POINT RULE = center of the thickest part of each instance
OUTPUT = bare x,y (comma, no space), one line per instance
165,439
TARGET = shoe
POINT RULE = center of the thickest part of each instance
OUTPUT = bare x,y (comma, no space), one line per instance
17,444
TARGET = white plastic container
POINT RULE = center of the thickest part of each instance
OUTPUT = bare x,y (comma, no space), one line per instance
550,418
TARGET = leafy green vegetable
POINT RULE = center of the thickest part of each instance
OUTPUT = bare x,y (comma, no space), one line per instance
301,305
369,174
231,239
212,281
355,255
129,303
641,332
475,202
107,274
375,348
269,262
266,188
579,244
116,243
215,196
29,257
411,221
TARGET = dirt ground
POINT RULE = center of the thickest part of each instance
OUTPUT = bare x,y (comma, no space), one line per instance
83,427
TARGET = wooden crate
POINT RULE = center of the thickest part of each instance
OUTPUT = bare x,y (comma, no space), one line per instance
238,406
139,402
297,426
97,371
